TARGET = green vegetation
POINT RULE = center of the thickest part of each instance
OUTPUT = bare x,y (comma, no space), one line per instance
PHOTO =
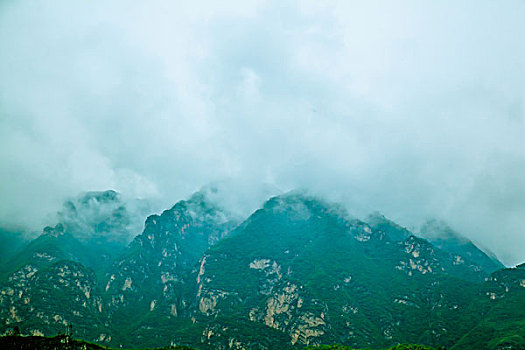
397,347
298,271
60,342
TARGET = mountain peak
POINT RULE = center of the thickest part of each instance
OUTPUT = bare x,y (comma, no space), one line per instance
302,204
441,235
298,271
103,215
392,230
196,221
100,196
200,207
439,229
56,231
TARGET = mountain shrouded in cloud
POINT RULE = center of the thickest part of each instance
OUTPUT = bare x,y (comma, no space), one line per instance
414,109
298,271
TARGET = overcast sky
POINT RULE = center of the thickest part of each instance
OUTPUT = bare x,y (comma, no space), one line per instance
413,108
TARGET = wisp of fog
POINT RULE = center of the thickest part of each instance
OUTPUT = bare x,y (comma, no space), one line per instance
412,108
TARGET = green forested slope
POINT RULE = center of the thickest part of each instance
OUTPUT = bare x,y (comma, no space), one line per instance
299,271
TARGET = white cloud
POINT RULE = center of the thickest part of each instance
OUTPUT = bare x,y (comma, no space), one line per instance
415,108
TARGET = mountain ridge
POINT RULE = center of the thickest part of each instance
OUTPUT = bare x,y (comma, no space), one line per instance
297,271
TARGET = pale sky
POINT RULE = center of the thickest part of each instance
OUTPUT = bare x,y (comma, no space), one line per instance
413,108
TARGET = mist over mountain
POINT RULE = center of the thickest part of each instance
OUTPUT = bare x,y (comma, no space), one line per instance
103,214
299,270
411,109
262,175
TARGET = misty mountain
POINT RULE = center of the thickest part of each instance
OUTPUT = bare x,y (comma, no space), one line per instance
103,217
391,229
305,268
11,240
500,303
446,239
154,271
297,271
92,229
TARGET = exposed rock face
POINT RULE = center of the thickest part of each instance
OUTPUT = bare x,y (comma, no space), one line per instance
283,312
260,264
152,268
361,233
420,257
159,261
52,298
283,306
505,281
268,294
309,327
298,271
208,300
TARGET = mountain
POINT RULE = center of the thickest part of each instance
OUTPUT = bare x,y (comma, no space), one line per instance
152,274
11,241
65,342
97,214
92,229
12,342
304,268
464,250
298,271
52,280
394,231
60,342
501,300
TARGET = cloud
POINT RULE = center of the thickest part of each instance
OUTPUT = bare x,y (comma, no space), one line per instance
414,108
